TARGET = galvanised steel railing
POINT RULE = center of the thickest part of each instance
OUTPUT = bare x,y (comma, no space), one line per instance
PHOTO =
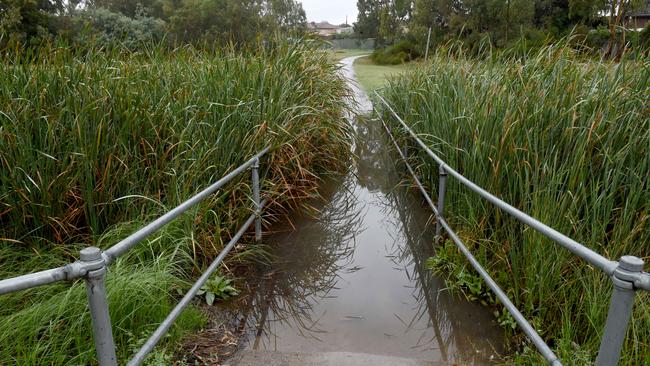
93,263
627,274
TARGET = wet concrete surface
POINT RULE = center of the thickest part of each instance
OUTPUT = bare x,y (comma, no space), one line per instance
353,279
325,359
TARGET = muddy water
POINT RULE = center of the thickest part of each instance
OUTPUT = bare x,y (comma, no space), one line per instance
352,278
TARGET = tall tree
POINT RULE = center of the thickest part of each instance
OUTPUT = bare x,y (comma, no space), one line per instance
287,16
388,25
130,8
25,19
368,20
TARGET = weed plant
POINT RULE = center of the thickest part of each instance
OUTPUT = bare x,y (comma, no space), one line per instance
562,138
96,142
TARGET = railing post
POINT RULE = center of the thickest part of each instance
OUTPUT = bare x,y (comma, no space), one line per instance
96,291
620,310
442,189
256,199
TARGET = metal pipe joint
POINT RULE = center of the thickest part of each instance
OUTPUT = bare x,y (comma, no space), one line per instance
620,309
92,262
628,272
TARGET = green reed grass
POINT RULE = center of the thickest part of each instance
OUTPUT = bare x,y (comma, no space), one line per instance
564,139
96,142
90,141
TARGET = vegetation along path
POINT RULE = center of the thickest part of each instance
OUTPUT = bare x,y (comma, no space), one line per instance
352,286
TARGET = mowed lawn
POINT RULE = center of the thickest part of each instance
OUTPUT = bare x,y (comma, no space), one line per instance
372,76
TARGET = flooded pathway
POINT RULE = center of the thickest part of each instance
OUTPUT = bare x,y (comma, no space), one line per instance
353,279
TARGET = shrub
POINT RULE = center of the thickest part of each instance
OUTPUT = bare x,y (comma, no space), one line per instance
399,53
115,28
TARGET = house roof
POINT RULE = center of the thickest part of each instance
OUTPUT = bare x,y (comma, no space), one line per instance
322,25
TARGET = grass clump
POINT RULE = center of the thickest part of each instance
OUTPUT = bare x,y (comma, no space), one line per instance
97,142
562,138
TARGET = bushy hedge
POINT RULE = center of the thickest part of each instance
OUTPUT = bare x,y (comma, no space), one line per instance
399,53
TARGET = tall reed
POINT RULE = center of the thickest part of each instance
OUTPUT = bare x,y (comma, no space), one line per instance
562,138
88,141
94,142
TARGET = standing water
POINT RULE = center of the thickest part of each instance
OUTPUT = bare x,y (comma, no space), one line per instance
352,278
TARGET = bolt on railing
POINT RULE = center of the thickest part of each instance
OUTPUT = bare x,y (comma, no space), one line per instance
627,274
93,263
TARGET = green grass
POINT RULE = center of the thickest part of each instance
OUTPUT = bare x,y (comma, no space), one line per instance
97,142
51,325
564,139
372,76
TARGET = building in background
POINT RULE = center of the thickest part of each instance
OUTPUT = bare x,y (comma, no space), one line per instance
640,18
326,29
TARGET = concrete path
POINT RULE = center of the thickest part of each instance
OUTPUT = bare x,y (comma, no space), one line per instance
251,358
359,317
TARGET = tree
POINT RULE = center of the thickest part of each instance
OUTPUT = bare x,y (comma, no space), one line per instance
388,26
585,11
27,19
237,21
287,16
617,9
131,8
118,28
368,20
382,19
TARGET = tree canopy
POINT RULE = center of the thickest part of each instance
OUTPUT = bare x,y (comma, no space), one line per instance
500,21
130,22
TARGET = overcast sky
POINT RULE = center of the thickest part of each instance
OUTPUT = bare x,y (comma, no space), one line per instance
334,11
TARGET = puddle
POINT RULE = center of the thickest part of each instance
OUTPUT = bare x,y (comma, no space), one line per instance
354,279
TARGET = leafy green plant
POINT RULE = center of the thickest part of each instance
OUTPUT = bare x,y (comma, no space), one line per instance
505,319
218,287
449,263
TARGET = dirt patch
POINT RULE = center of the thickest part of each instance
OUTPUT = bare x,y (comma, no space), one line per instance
217,343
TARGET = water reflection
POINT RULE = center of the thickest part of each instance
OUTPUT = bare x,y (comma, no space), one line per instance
307,270
352,278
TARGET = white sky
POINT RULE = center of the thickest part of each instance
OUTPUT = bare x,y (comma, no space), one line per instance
334,11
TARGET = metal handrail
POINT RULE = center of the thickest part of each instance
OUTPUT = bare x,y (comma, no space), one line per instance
123,246
507,303
626,274
93,263
169,320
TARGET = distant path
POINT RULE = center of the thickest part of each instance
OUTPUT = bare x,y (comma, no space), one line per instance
364,104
